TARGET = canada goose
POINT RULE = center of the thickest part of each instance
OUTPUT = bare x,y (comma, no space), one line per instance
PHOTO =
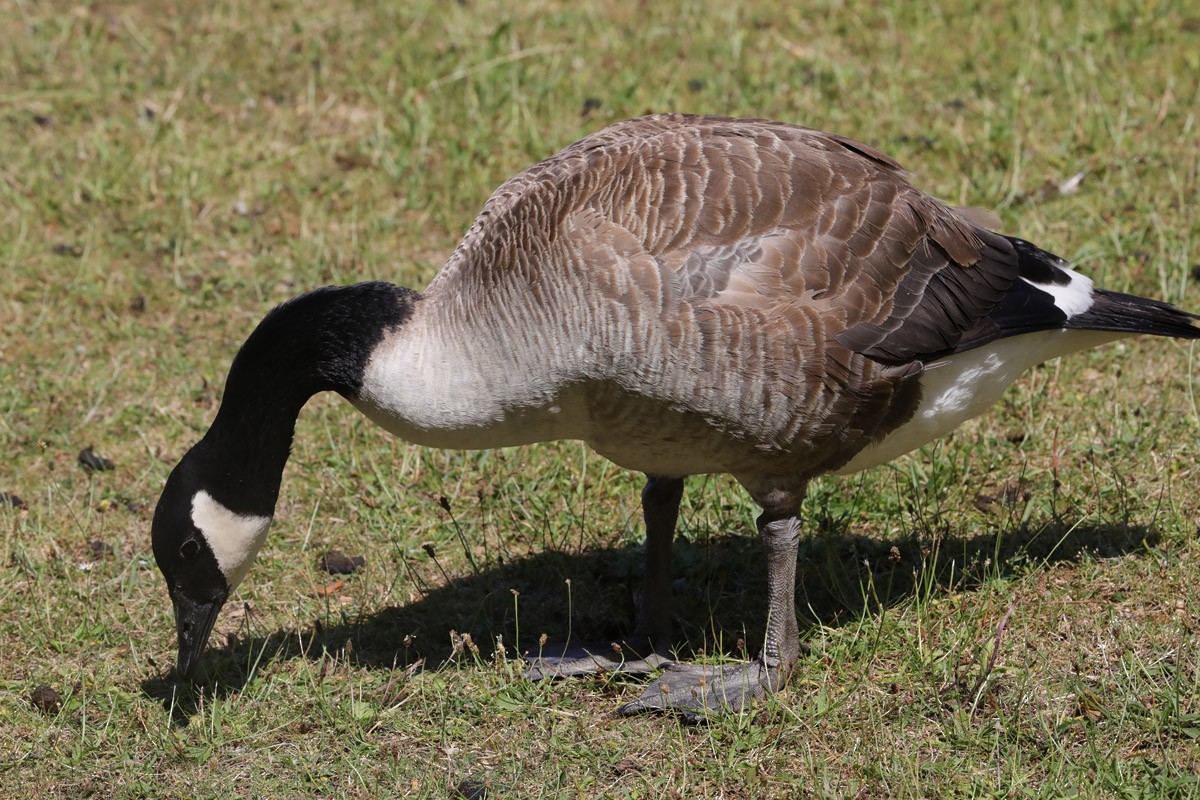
685,294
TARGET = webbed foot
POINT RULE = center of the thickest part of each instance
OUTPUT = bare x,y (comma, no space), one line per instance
595,657
696,691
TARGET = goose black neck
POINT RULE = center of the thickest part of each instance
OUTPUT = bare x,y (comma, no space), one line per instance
320,341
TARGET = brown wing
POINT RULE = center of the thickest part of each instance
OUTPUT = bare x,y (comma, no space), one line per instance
760,214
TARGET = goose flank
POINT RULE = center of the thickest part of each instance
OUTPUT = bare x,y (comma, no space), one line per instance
686,295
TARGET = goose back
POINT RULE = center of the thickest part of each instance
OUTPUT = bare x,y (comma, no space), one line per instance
755,295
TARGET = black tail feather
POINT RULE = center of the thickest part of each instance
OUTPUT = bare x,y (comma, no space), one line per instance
1127,313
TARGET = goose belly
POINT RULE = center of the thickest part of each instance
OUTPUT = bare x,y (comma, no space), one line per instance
654,435
486,425
965,385
675,447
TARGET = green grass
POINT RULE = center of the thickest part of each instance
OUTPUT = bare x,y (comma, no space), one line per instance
1011,612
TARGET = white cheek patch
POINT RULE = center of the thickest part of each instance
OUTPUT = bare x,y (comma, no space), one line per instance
235,539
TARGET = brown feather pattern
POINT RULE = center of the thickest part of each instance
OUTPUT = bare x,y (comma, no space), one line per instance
764,293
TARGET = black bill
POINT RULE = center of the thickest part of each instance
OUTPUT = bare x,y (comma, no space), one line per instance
193,623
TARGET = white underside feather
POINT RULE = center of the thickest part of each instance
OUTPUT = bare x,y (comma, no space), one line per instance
965,385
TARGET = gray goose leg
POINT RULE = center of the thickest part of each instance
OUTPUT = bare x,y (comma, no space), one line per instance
647,649
696,690
660,509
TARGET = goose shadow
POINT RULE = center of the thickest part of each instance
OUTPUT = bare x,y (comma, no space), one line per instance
720,599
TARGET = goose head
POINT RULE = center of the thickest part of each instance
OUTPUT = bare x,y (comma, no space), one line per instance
204,549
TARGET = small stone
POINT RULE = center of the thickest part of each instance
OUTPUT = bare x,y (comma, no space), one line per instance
94,462
70,250
349,161
472,790
984,502
46,699
100,549
335,562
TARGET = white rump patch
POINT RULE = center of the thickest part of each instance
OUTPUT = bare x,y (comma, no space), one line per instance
1074,298
235,539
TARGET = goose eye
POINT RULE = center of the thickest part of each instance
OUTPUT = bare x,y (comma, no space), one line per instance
189,548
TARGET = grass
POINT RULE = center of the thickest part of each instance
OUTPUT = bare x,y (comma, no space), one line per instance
1011,612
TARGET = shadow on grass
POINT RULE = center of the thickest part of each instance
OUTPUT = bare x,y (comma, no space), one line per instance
720,599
